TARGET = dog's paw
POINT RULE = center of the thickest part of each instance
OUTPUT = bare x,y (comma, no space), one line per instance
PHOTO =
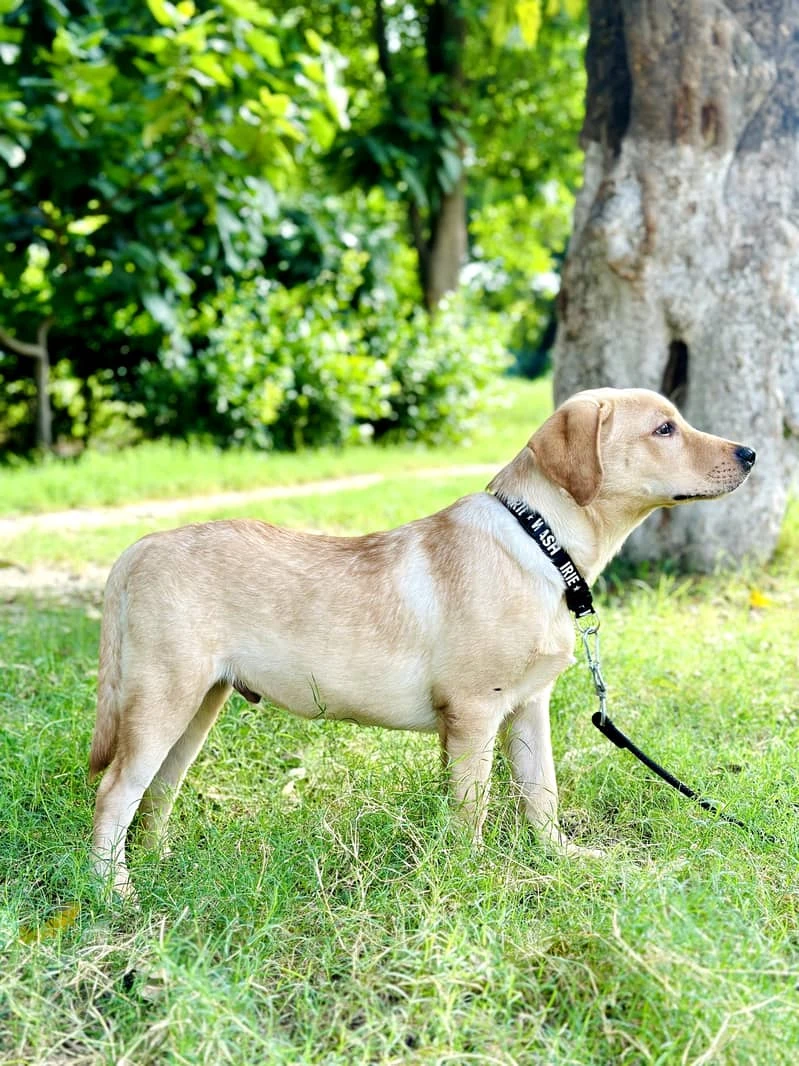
577,851
561,845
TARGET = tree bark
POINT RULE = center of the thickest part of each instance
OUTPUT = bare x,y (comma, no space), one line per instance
448,245
445,40
439,234
40,353
682,272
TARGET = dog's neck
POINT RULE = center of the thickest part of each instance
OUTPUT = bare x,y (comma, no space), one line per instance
587,533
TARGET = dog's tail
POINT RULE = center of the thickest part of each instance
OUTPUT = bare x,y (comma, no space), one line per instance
109,676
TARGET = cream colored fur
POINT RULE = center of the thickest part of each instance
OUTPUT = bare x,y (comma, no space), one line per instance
455,623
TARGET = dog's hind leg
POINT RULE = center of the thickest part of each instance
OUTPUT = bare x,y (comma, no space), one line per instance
151,721
159,798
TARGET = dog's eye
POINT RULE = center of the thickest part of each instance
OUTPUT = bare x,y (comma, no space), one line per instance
668,429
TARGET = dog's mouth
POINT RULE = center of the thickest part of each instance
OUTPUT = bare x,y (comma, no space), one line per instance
715,495
699,496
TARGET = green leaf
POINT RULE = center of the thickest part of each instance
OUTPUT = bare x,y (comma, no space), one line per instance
322,130
313,69
7,6
499,19
338,98
263,196
164,13
229,226
211,66
288,129
528,13
574,8
415,184
250,11
451,169
89,224
266,45
276,104
314,40
162,311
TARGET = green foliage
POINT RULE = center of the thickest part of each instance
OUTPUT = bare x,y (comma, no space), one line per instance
323,362
165,119
83,408
510,121
175,128
189,139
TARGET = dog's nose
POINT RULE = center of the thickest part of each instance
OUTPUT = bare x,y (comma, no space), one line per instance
746,457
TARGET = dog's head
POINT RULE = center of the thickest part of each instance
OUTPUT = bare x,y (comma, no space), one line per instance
633,445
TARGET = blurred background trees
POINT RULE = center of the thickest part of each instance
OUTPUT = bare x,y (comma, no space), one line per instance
277,224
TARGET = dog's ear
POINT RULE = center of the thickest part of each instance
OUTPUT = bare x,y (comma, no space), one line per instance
567,448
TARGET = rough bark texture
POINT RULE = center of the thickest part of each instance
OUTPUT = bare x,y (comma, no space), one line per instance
682,273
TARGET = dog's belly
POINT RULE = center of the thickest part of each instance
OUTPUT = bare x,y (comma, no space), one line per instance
391,693
375,686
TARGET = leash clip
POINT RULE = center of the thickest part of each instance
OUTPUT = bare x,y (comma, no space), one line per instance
589,634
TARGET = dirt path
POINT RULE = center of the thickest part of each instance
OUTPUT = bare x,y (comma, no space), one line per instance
89,580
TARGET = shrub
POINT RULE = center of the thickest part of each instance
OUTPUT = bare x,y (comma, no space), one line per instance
324,362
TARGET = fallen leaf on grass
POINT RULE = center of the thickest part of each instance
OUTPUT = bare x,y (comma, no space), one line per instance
757,600
62,919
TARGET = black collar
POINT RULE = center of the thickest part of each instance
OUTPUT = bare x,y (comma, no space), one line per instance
578,594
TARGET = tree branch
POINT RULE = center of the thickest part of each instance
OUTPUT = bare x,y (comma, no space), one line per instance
420,242
34,351
43,330
19,347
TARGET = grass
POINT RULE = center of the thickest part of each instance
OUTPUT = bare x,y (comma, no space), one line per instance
319,907
394,501
163,470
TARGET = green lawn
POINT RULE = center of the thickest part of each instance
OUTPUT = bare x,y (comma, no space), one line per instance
319,907
163,470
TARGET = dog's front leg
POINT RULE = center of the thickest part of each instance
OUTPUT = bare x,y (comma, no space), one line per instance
468,748
528,744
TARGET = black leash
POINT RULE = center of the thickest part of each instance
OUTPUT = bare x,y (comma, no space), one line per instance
621,740
580,602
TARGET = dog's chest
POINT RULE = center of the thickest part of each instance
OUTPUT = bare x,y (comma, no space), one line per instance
543,670
506,665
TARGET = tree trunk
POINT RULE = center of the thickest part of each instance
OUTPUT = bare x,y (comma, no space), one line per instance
445,40
44,414
40,353
439,234
682,272
448,246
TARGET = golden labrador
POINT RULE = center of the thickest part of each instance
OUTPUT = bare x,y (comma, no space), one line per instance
454,624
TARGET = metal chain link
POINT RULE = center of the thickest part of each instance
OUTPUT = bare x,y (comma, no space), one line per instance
588,632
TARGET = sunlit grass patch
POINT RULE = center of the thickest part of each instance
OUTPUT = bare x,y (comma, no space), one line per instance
163,469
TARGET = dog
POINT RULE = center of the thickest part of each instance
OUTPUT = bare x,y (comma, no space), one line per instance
455,623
